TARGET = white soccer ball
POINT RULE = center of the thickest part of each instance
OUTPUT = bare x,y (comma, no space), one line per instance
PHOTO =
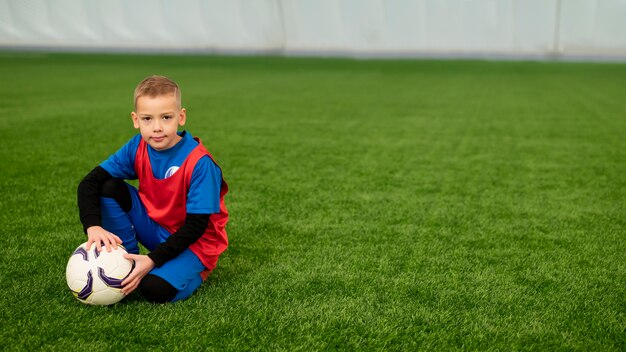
95,277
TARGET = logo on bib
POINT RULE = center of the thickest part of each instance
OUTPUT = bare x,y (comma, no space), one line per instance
171,171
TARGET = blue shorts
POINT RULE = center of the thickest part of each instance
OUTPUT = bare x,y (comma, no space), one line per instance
182,272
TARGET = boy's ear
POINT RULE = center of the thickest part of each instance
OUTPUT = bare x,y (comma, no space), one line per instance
133,115
182,117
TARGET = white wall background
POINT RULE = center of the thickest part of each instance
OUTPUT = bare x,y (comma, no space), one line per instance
589,28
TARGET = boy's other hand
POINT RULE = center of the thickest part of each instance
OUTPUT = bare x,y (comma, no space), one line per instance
143,265
100,236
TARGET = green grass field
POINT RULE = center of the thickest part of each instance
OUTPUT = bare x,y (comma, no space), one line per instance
375,205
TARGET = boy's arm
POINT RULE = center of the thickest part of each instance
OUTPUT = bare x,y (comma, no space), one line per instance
89,197
203,199
178,242
89,210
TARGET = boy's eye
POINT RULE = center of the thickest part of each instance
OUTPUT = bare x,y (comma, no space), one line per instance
146,118
167,117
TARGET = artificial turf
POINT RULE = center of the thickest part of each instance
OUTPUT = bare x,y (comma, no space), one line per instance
375,205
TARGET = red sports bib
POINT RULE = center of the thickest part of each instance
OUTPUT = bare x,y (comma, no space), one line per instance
166,200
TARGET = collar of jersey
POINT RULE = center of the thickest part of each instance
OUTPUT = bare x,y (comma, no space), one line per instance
173,150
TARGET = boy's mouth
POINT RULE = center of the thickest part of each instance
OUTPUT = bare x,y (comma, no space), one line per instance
158,139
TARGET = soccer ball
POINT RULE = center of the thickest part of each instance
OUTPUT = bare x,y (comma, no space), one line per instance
95,277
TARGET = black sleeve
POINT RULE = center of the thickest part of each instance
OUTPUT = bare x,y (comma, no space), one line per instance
88,197
190,232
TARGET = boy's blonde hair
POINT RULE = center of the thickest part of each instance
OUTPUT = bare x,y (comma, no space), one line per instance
154,86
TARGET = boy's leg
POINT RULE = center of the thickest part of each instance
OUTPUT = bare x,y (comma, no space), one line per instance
181,273
149,233
114,207
176,279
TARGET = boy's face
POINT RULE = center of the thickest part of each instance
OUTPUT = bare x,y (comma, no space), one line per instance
158,118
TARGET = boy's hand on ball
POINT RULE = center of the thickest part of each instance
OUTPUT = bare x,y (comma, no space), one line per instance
100,236
143,265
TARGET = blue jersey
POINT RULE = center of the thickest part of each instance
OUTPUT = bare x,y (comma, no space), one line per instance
204,191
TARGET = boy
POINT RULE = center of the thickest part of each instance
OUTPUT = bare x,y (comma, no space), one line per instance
178,212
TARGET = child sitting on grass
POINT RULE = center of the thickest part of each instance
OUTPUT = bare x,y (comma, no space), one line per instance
178,212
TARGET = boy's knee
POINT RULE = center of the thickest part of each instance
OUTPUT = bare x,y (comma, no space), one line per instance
117,189
156,289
